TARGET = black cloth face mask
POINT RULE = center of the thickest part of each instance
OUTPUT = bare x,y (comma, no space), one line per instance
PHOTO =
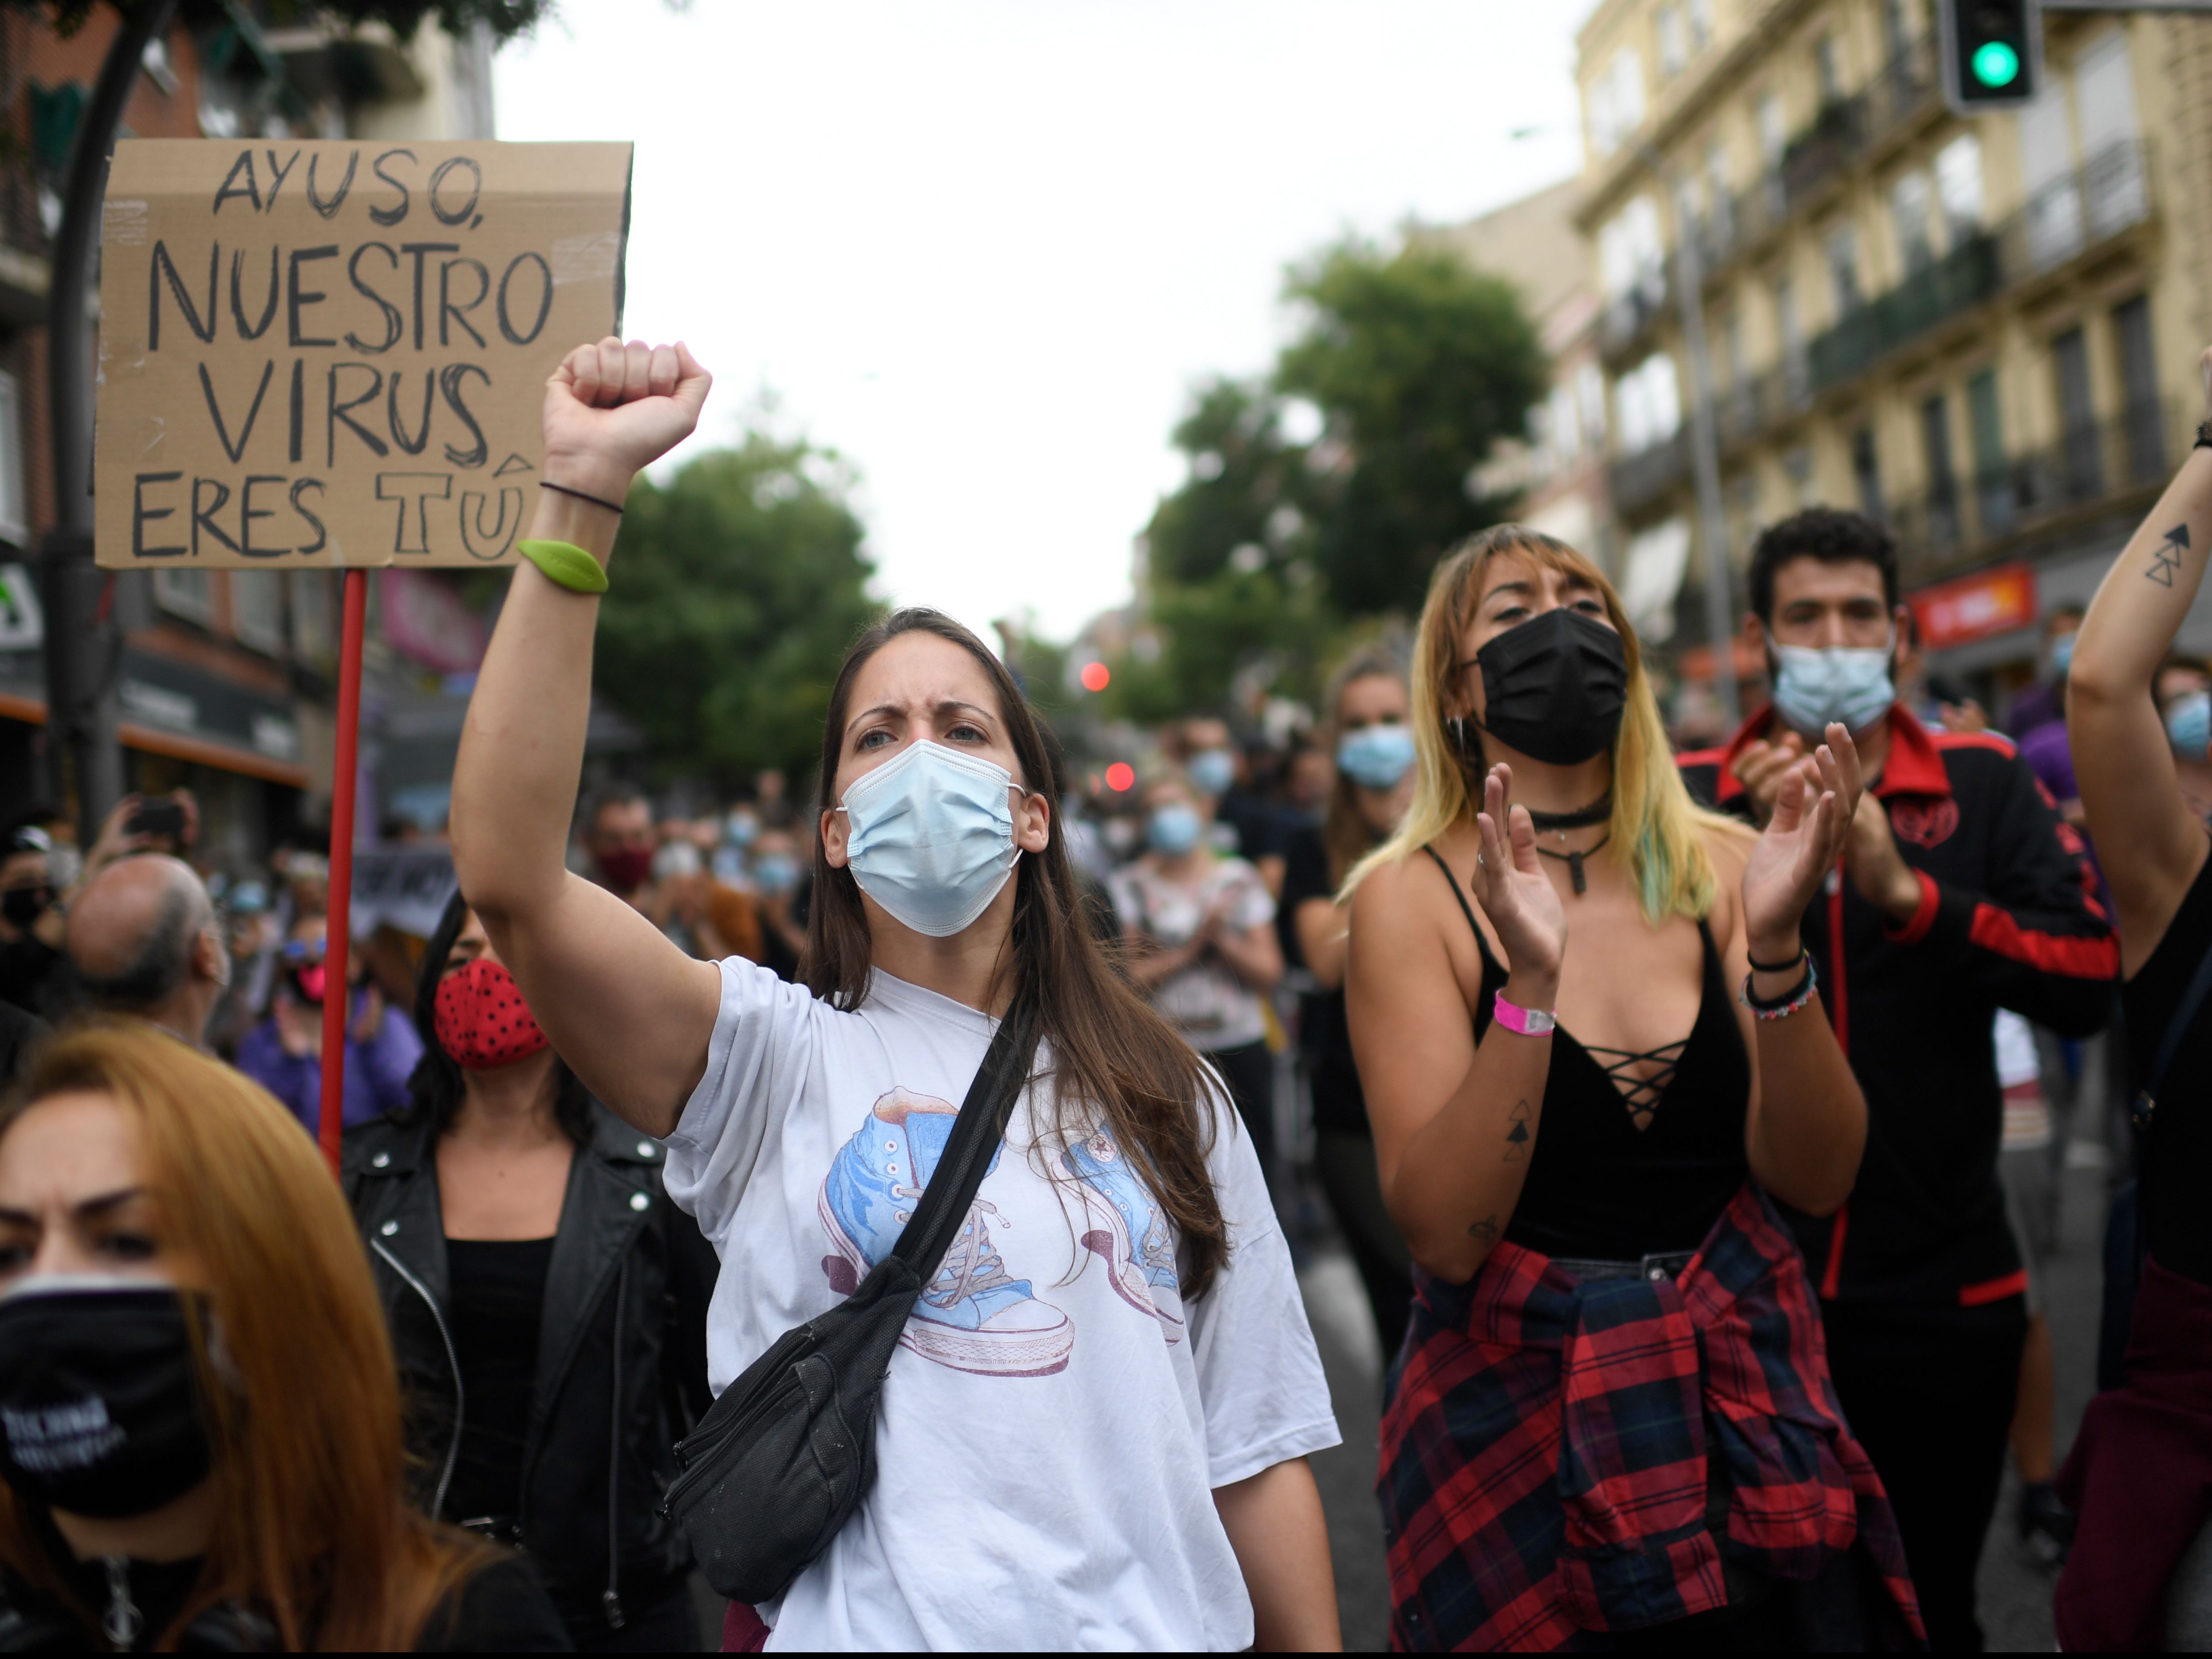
1554,687
99,1408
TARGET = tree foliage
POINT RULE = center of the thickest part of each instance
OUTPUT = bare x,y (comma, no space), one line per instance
739,584
1277,548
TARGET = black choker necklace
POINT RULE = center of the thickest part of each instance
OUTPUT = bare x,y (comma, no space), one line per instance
1580,818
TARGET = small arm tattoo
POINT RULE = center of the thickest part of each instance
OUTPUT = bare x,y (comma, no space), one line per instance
1517,1137
1485,1230
2165,557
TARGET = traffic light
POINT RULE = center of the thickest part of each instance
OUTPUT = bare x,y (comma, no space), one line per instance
1992,53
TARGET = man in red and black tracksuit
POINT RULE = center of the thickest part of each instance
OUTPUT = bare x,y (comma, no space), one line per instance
1962,892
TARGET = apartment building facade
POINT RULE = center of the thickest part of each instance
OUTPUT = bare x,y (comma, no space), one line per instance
1984,331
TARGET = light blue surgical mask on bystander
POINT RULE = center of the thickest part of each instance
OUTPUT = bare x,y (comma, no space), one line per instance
1844,684
2062,656
2188,724
1376,757
930,836
1212,771
1173,829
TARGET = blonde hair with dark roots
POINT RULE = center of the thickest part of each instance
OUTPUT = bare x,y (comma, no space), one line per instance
1662,830
313,1527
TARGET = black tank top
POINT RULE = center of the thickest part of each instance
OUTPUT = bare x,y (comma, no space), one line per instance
1600,1187
2176,1159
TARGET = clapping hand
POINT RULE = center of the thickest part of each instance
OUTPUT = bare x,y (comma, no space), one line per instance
1813,804
1513,890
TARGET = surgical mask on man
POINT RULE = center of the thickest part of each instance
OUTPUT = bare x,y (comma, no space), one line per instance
931,837
2062,656
2188,724
1212,771
1376,757
1173,829
1842,684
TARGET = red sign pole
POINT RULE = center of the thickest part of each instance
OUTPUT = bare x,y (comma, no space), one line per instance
336,1004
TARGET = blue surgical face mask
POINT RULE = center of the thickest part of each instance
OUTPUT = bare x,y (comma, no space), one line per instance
740,829
775,874
2062,656
2188,724
932,836
1376,757
1212,771
1174,830
1842,683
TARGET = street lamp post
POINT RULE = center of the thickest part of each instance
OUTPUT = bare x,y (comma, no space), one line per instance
1704,443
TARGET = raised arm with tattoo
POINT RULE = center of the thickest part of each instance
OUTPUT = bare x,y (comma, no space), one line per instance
2153,844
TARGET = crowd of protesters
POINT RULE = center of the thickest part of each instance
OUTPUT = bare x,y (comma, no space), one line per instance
1691,1103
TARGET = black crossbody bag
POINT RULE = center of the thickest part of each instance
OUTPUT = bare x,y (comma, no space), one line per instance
787,1454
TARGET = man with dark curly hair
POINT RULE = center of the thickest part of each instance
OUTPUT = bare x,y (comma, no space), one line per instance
1961,892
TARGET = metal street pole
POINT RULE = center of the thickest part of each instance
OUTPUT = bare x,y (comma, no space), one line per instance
1704,445
83,643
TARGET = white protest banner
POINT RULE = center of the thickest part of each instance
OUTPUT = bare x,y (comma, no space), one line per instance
320,354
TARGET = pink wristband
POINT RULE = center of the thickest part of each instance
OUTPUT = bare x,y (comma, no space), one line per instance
1528,1021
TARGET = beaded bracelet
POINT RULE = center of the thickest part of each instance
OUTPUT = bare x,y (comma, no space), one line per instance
1789,1002
568,564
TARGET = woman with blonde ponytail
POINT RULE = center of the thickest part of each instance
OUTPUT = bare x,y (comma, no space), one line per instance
1611,1412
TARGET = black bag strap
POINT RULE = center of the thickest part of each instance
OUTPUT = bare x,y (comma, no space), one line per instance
975,1136
2169,1042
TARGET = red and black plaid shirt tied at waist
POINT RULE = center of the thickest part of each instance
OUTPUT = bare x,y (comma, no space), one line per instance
1545,1457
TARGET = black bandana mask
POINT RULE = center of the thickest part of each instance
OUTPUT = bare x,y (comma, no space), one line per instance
1554,687
99,1408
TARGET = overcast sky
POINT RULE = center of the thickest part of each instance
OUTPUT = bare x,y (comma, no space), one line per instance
985,248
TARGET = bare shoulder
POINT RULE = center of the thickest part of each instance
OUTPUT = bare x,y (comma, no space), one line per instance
1398,893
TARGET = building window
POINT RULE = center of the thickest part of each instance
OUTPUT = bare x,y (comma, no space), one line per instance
1942,477
1649,402
313,640
1959,187
1616,102
1866,472
1774,132
1828,70
1789,331
183,591
1993,500
1908,212
1840,246
15,513
1631,258
1701,24
2082,463
1589,398
256,609
2139,412
1673,40
1563,429
1896,33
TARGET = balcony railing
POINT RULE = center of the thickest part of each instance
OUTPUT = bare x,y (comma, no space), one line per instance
1938,291
1758,402
2095,464
2109,194
1636,481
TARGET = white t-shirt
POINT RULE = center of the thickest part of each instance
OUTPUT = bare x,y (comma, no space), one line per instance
1055,1417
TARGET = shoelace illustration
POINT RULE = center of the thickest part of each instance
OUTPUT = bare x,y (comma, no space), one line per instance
972,1264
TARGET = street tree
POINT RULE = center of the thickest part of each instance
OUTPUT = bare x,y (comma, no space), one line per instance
740,583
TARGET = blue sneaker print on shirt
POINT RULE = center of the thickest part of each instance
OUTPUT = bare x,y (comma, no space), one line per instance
1130,1232
972,1316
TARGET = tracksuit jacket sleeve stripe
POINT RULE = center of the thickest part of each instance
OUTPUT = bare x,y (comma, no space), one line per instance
2039,943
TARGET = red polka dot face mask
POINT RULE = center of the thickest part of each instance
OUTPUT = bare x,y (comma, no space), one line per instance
481,1019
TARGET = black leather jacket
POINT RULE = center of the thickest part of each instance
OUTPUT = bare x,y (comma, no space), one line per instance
605,1414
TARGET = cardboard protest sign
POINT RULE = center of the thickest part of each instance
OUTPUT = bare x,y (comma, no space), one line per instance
318,354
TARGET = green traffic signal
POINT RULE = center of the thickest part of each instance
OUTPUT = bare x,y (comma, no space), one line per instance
1996,64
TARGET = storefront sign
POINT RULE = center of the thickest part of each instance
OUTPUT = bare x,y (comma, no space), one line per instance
335,353
1997,601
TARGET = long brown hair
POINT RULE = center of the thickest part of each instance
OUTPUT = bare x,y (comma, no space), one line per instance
313,1527
1110,1052
1344,832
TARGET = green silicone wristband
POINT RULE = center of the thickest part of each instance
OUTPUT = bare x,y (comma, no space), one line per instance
567,564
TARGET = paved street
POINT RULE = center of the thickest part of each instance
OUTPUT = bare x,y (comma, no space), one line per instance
2015,1594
